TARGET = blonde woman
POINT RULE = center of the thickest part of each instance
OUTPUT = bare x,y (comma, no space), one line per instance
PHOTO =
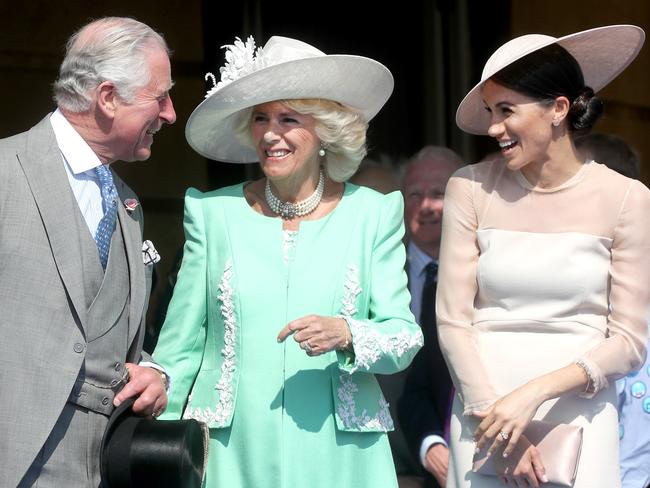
292,292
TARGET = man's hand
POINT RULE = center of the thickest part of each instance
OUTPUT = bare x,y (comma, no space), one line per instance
147,385
437,462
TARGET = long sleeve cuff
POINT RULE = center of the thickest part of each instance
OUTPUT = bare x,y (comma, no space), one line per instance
427,442
157,367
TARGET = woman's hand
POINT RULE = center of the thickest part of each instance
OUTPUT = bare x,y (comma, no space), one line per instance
503,423
523,468
317,334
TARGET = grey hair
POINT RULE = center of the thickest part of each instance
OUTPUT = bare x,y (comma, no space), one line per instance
435,153
109,49
341,129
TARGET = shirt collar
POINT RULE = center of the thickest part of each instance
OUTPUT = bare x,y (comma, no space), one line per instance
77,153
418,259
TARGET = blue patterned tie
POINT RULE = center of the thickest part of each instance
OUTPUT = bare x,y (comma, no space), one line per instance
109,204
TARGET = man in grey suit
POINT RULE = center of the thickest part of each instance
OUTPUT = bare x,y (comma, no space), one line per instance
73,283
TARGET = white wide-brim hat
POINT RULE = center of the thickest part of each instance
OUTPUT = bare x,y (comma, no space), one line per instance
602,54
283,69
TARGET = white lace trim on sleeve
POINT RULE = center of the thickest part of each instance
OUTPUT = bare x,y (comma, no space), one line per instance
593,384
347,409
369,344
223,410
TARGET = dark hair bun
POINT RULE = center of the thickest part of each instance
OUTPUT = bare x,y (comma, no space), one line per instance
585,110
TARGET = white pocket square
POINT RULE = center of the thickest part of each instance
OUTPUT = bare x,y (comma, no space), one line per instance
149,254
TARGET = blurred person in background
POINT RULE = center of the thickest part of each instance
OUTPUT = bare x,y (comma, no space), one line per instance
633,390
424,396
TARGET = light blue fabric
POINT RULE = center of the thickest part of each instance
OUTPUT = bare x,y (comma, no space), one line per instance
634,426
107,223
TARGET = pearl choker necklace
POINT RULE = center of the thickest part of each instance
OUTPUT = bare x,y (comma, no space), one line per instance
288,210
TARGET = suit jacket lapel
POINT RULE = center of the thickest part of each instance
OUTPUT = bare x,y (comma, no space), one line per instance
133,243
44,169
407,268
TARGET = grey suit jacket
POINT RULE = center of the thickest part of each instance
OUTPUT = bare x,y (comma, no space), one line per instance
42,312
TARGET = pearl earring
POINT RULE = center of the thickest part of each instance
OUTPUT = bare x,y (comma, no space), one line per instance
556,123
321,151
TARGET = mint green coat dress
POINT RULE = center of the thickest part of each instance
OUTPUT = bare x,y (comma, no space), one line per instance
277,417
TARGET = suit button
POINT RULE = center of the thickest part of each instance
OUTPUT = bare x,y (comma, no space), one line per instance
105,401
78,347
118,366
114,382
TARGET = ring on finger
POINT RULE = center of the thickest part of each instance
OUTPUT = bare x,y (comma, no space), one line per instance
306,346
504,435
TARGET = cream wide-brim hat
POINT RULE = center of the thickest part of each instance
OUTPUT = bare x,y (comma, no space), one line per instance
602,53
284,69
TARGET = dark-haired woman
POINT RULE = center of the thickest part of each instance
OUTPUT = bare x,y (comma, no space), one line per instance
544,284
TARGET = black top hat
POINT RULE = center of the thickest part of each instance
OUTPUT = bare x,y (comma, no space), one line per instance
144,452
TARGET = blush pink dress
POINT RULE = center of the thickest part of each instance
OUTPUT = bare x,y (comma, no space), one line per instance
532,280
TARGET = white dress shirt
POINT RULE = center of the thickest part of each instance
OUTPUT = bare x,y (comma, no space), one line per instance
418,260
79,161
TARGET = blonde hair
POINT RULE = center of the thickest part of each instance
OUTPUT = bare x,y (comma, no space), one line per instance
341,129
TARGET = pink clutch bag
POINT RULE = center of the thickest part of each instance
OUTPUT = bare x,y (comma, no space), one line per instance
559,446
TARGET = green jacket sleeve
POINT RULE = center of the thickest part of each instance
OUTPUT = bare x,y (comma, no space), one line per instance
182,339
386,340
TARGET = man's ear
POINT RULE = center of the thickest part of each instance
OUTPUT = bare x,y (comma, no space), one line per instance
107,98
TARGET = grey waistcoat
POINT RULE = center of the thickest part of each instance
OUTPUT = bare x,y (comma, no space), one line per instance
107,329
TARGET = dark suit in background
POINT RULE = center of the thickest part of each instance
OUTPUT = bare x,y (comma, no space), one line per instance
424,404
423,407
